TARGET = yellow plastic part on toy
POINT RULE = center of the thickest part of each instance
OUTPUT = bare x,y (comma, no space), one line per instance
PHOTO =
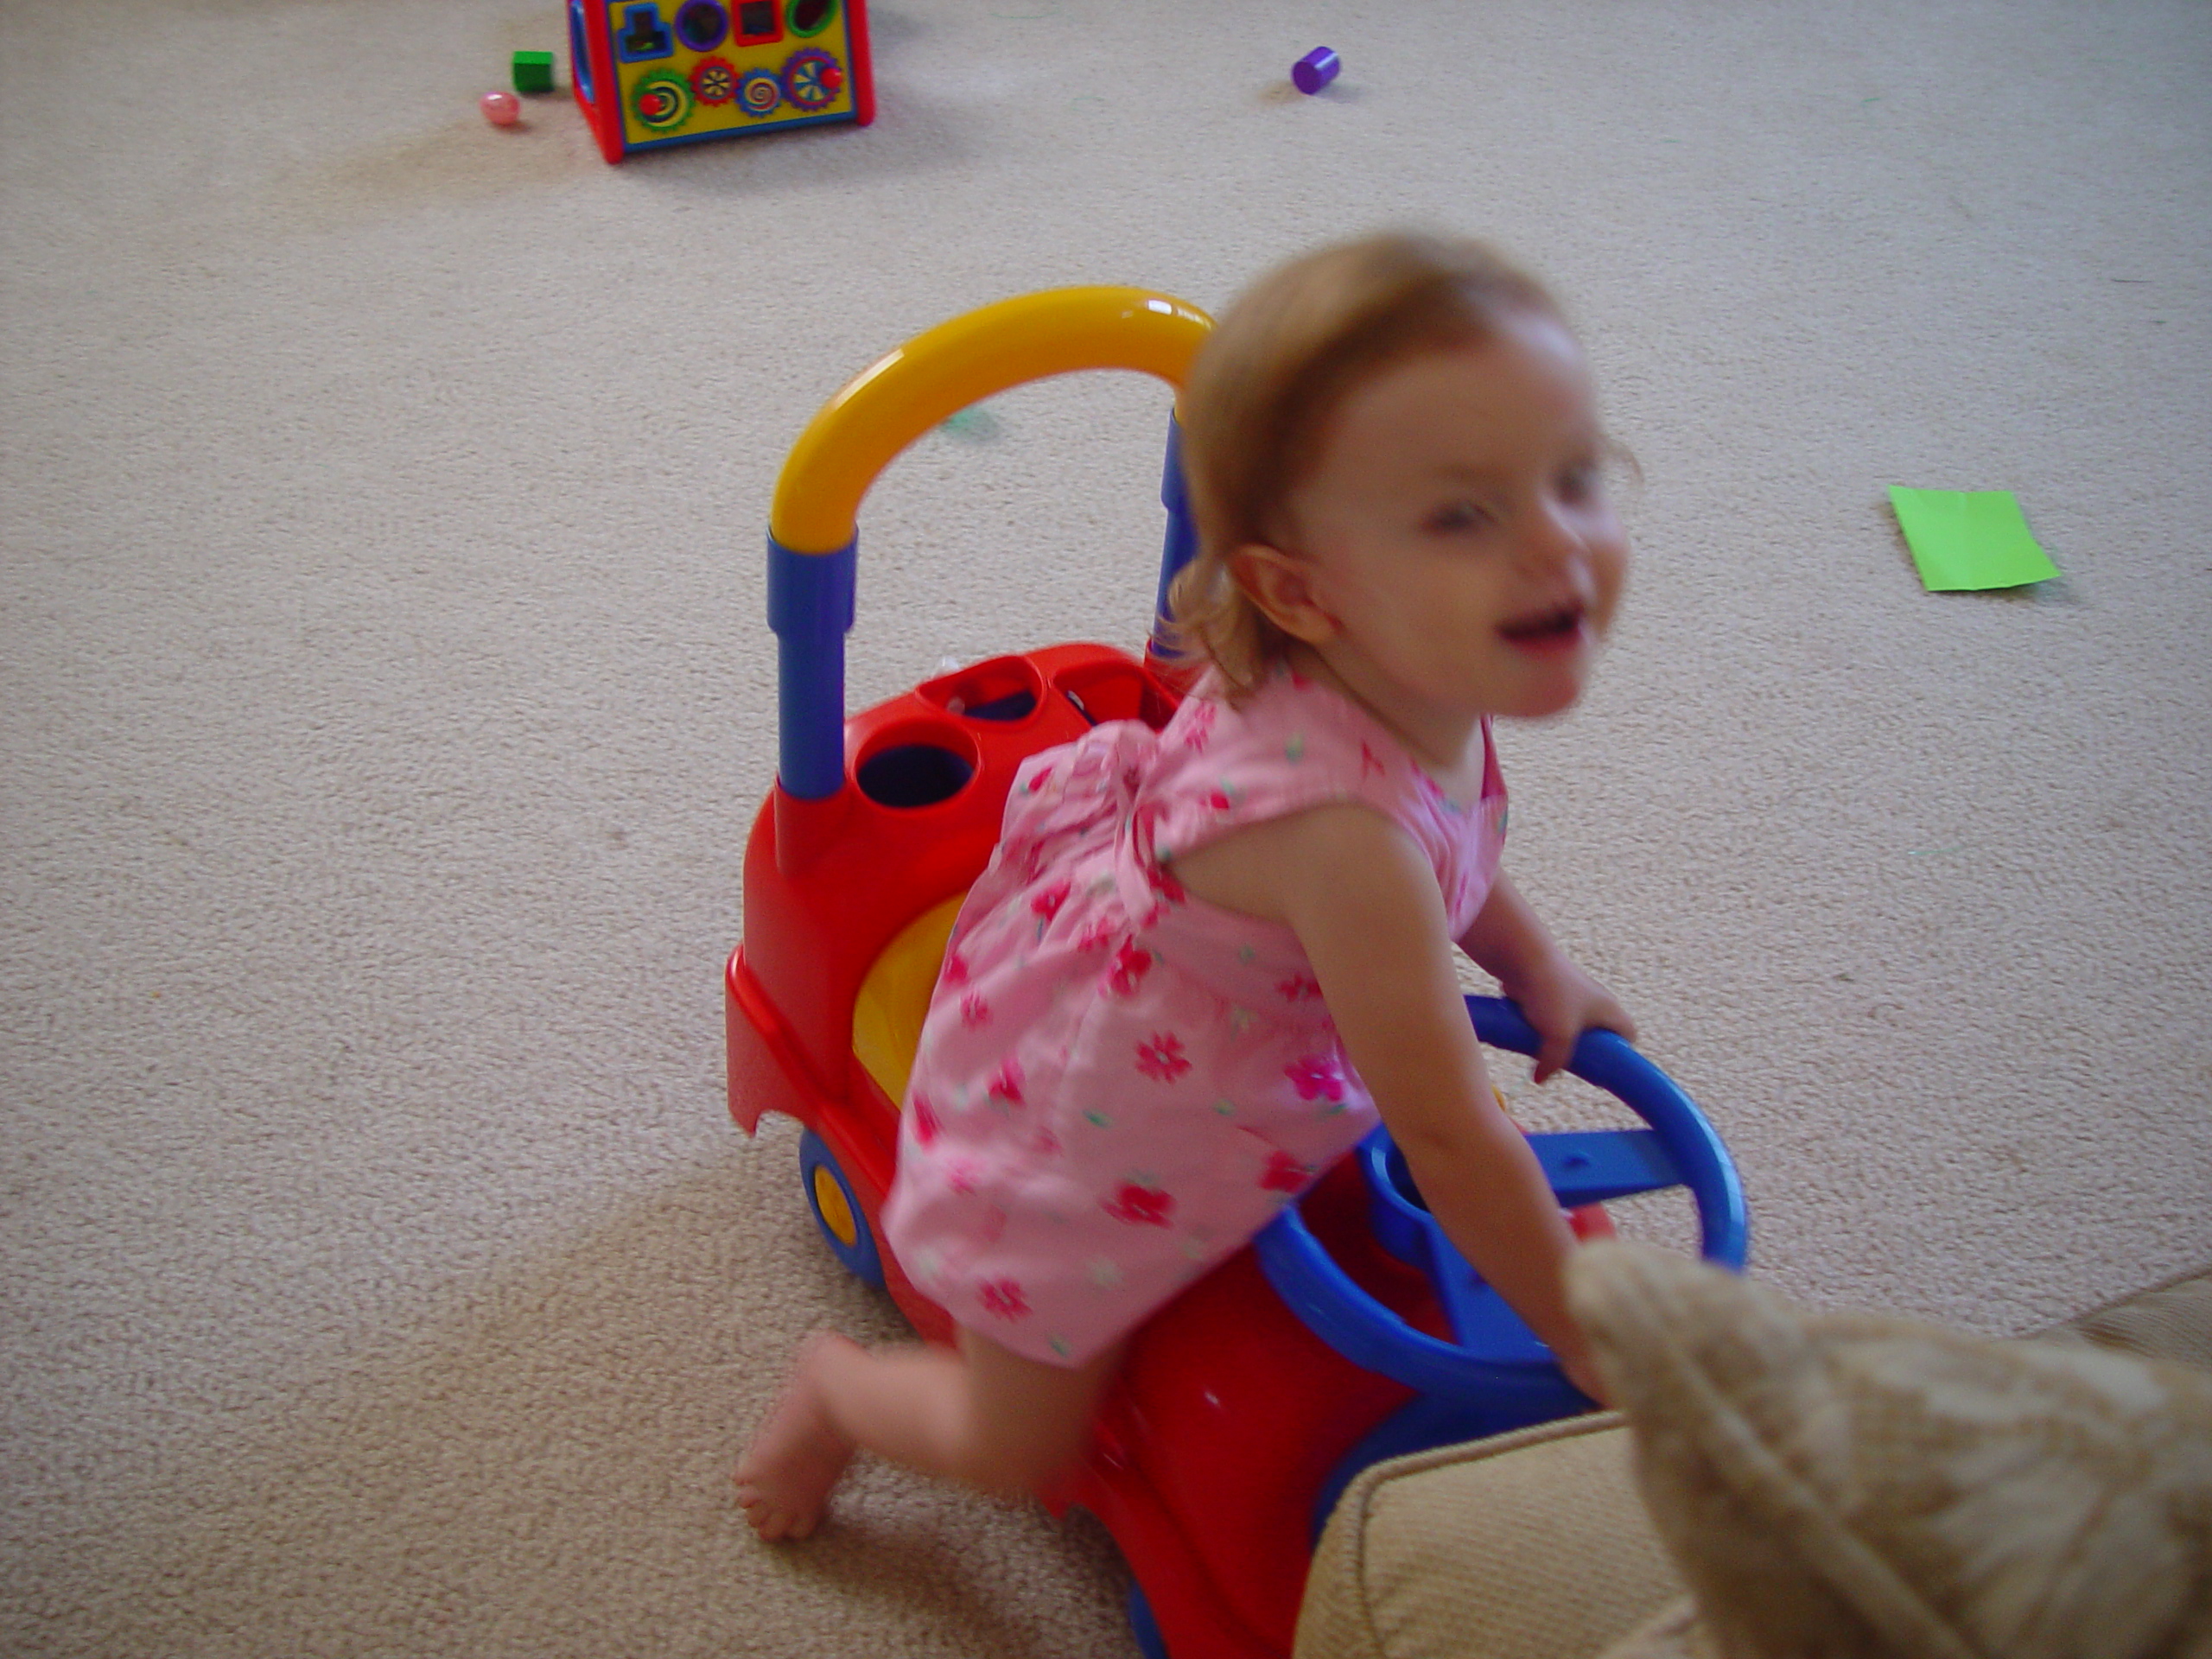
939,372
836,1209
894,998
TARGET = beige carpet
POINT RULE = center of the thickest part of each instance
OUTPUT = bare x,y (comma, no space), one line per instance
386,692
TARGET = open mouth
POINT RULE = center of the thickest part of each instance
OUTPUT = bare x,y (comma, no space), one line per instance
1562,624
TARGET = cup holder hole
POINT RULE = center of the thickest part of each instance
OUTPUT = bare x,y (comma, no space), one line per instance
1005,691
913,774
1115,691
1015,705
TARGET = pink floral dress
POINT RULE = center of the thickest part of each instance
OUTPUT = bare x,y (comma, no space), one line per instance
1118,1084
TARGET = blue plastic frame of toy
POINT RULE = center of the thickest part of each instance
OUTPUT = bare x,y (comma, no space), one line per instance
1497,1376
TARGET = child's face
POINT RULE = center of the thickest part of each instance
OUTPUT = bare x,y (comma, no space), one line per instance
1456,530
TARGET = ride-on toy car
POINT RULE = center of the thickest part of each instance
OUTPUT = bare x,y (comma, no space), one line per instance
1349,1331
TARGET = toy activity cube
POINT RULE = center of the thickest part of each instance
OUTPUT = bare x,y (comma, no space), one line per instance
650,74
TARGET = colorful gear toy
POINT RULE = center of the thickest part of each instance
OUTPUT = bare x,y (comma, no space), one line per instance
713,80
812,79
759,92
663,101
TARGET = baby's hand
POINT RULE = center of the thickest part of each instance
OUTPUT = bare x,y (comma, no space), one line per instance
1584,1376
1561,1002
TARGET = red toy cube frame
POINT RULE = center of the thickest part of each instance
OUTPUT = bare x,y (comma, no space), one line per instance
652,74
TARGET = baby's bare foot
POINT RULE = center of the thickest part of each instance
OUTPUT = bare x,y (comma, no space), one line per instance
785,1477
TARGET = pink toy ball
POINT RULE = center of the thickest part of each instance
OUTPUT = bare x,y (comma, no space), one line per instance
500,109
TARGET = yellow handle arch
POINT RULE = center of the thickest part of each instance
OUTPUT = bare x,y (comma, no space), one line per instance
939,372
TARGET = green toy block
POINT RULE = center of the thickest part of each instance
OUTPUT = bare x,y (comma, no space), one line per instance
533,71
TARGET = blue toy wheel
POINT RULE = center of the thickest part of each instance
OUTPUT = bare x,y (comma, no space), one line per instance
837,1211
1496,1361
1144,1626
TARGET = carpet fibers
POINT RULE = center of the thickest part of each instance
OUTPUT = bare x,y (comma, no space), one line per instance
385,696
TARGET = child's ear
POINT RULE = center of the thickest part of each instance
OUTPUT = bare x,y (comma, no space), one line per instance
1281,585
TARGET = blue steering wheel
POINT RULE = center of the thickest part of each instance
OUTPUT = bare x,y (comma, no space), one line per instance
1496,1361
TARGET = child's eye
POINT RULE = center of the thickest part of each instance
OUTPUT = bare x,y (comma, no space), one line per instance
1456,516
1580,484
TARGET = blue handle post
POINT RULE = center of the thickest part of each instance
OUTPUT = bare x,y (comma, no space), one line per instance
810,608
1182,544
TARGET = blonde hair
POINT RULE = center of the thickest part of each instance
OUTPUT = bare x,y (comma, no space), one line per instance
1263,388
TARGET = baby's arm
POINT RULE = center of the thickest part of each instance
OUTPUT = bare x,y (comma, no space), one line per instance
1364,904
1561,1001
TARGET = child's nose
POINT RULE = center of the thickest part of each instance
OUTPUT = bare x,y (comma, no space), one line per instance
1556,537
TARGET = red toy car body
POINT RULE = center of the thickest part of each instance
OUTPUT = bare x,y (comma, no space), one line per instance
1231,1413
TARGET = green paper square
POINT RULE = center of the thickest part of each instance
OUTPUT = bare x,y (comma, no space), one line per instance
1967,540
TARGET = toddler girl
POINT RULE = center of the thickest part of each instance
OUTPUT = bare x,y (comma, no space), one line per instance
1202,960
